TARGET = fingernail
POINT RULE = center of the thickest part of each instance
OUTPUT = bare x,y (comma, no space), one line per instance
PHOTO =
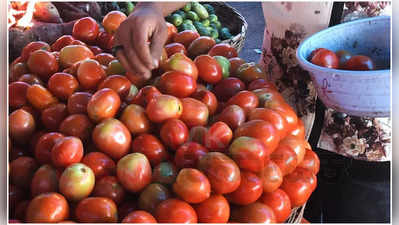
156,63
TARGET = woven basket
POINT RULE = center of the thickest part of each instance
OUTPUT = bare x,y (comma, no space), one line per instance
232,19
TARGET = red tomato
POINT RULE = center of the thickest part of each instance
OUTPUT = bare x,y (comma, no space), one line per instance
261,83
311,161
222,172
188,155
254,213
109,187
173,48
175,211
245,99
249,72
172,30
42,63
192,186
72,54
262,130
151,147
209,69
61,42
174,133
85,29
360,63
113,20
96,210
208,98
135,119
232,115
112,138
67,151
164,107
285,158
17,94
105,40
78,42
30,79
21,125
181,63
62,85
197,134
186,37
103,104
22,170
145,95
343,57
165,173
44,145
227,88
44,180
200,46
139,216
17,70
325,58
223,49
177,84
77,102
279,201
54,115
296,144
78,125
32,47
249,153
76,182
235,62
118,83
40,97
218,137
90,74
299,185
101,164
299,131
249,191
195,113
151,196
271,176
215,209
269,115
104,58
134,171
47,208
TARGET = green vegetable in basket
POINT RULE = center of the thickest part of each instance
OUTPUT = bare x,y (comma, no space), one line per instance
168,18
225,33
203,31
206,22
213,18
187,26
209,8
225,64
217,40
216,25
192,16
181,13
187,7
198,24
177,20
214,33
200,10
188,21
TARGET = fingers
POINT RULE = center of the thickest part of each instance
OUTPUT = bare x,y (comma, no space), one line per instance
157,42
141,47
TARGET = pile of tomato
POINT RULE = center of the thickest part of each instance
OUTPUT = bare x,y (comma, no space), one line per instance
209,139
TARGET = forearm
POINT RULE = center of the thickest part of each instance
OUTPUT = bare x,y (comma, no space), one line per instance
164,7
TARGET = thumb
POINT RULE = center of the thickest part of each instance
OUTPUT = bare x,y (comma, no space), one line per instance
158,40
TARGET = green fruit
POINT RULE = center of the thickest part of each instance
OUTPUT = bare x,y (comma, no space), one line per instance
115,67
200,10
206,22
225,64
129,7
168,18
187,7
203,31
225,33
187,26
181,13
192,16
187,21
213,18
214,33
177,20
198,24
217,24
209,8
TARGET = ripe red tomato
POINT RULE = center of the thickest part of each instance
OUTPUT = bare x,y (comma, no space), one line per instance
135,119
77,102
249,72
174,133
71,54
103,104
105,40
269,115
22,170
232,115
172,30
299,131
66,151
44,180
197,134
134,171
104,58
271,176
44,145
32,47
40,97
47,208
268,97
61,42
296,144
208,98
181,63
175,211
145,95
279,202
78,125
96,210
325,58
177,84
200,46
250,189
359,62
173,48
261,83
218,137
164,107
90,74
343,57
30,79
76,182
109,187
222,172
185,37
151,147
215,209
165,173
112,21
235,62
254,213
151,196
192,186
299,185
188,155
311,161
227,88
21,125
262,130
249,153
42,63
209,69
195,113
53,116
245,99
139,216
17,94
62,85
112,138
85,29
223,49
101,164
285,158
118,83
17,70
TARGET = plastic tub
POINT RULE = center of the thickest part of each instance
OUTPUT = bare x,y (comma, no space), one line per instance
358,93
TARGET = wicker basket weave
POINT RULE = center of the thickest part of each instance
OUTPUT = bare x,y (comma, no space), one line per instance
232,19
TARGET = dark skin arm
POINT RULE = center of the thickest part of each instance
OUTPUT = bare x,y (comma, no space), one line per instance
145,23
